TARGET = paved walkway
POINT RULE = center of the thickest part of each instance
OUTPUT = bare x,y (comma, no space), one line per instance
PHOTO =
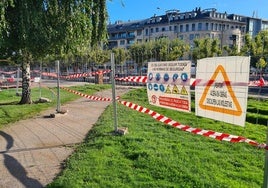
33,151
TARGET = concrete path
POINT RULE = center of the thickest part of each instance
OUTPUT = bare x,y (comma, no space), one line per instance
33,151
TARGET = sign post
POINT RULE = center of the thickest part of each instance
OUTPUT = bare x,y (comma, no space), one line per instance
58,86
113,92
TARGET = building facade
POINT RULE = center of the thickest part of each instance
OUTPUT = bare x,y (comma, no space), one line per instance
229,29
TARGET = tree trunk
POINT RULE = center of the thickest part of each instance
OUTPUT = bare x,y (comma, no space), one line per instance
26,83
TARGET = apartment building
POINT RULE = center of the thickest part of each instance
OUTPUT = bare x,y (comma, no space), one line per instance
229,29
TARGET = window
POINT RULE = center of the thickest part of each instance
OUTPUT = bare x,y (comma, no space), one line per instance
146,32
139,32
187,28
181,28
199,26
193,27
157,30
207,26
212,35
163,29
122,42
131,42
131,34
123,35
180,37
191,36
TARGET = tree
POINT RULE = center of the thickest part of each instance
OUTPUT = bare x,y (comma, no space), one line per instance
137,53
231,51
261,63
177,49
99,56
120,56
205,47
257,48
247,47
24,37
32,29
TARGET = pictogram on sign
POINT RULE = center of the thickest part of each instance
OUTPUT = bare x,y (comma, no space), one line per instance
175,90
184,91
168,90
237,111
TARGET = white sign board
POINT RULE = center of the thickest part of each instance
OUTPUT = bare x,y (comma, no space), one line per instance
168,84
222,89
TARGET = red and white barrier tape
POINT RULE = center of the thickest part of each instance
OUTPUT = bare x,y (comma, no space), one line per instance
195,82
11,72
77,75
207,133
89,96
49,74
168,121
139,79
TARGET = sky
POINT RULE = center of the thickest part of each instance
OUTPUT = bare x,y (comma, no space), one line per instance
131,10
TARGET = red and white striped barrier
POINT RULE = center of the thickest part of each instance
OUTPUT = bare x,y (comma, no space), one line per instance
89,96
139,79
79,75
194,82
49,74
73,76
175,124
207,133
9,73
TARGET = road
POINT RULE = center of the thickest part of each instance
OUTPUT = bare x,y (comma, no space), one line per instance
263,91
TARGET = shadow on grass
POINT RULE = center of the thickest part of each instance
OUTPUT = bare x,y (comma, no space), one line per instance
9,103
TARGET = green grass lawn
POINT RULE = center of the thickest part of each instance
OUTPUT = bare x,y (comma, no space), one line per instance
156,155
11,111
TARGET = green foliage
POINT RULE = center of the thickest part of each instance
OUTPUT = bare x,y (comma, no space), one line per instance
206,47
35,29
261,63
257,48
231,51
155,155
120,55
99,56
3,24
160,50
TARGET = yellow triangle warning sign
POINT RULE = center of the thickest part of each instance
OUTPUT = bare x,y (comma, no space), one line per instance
175,90
184,91
216,108
168,90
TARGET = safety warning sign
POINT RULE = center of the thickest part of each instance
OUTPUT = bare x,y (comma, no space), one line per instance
218,98
168,84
